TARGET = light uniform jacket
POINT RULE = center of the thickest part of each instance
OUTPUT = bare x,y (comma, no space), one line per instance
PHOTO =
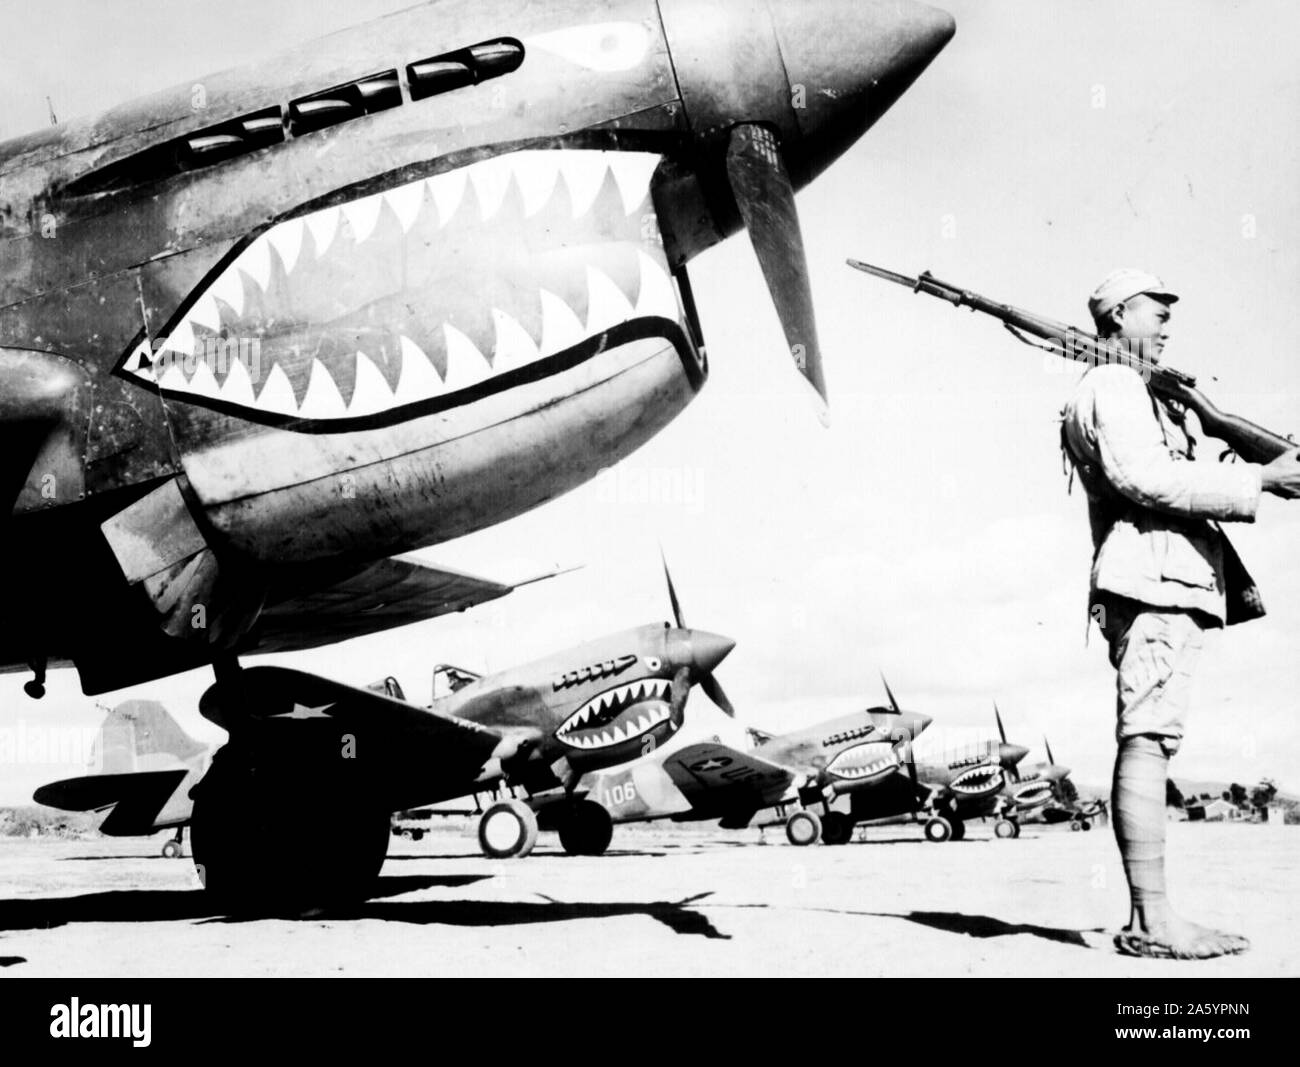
1152,507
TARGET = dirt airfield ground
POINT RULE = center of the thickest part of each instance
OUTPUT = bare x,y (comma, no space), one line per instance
666,900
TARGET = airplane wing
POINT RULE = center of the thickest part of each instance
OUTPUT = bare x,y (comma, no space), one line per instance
420,755
390,593
715,778
136,797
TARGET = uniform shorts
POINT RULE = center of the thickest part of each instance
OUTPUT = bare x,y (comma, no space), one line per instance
1153,651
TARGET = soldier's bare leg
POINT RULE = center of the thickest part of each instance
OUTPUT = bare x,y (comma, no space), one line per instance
1138,805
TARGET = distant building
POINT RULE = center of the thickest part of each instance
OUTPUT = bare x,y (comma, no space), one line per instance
1220,811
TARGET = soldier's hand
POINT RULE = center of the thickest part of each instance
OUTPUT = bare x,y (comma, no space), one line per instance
1282,476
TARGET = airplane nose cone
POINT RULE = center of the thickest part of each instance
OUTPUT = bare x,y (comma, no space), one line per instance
848,61
708,650
1059,774
1010,755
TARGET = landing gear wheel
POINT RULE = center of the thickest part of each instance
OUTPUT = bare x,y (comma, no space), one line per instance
1076,825
958,830
243,856
837,828
938,829
1085,825
172,850
803,828
507,829
586,829
1006,828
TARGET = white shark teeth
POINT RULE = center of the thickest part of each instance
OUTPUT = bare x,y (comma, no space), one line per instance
286,239
204,311
181,339
370,393
322,399
447,191
633,171
514,347
406,202
238,386
255,261
323,225
491,179
418,379
535,173
606,304
229,289
561,328
657,296
576,732
362,215
583,179
466,365
277,394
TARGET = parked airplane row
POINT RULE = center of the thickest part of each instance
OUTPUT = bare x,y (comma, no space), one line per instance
570,744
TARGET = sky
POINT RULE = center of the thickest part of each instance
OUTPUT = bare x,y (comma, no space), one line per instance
928,533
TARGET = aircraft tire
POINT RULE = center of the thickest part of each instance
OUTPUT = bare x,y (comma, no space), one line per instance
837,828
803,828
244,858
1076,825
1085,825
171,850
1006,829
508,829
586,829
938,829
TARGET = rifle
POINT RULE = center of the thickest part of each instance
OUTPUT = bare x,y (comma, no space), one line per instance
1253,443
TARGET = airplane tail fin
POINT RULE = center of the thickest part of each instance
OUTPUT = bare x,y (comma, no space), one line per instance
135,730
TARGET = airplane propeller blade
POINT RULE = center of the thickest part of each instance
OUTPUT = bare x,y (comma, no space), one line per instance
1049,751
710,684
764,194
713,688
680,690
678,618
1002,730
893,704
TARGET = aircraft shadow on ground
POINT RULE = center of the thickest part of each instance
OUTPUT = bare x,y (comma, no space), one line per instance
468,854
170,905
985,926
173,905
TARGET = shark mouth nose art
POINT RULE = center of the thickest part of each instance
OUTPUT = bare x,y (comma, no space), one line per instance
618,715
978,780
865,760
401,302
1034,793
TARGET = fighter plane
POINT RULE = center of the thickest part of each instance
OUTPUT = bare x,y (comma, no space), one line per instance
262,332
1028,791
143,767
792,774
266,330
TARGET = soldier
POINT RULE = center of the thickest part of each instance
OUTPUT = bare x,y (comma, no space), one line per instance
1163,573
